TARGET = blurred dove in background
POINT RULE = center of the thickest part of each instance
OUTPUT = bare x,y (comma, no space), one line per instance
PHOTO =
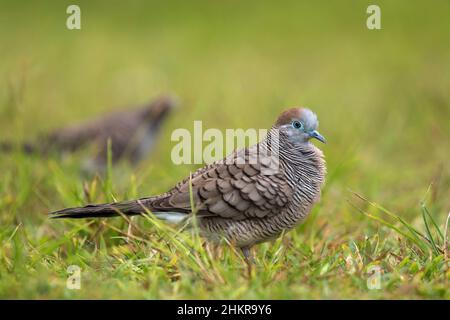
132,132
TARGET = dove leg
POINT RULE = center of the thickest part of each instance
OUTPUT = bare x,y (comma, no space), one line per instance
249,259
246,251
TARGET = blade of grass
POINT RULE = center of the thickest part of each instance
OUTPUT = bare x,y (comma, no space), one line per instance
432,221
391,226
107,186
427,228
411,229
424,208
446,237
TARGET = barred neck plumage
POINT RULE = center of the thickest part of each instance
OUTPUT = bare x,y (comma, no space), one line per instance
304,169
279,143
301,160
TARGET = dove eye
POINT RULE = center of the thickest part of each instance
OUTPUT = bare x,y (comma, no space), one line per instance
297,124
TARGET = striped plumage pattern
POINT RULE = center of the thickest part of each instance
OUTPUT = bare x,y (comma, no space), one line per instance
237,199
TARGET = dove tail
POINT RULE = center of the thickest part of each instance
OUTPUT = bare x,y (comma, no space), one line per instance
27,148
128,208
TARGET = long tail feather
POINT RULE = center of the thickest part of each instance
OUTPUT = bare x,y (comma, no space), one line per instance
129,208
25,147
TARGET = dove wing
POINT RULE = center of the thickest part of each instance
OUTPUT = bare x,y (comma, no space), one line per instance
235,191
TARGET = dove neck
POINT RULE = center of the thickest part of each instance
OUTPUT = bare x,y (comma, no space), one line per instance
277,142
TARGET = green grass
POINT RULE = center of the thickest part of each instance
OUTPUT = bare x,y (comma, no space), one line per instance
381,96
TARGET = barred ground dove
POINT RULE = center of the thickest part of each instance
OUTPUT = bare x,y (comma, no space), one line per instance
246,202
132,134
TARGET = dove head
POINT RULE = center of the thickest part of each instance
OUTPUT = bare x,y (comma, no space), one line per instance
299,125
160,108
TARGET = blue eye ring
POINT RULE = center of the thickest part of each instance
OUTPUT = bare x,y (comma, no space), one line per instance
297,124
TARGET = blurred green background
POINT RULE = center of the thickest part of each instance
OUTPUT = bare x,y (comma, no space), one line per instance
382,96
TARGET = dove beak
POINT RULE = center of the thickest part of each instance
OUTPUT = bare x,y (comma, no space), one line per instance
315,134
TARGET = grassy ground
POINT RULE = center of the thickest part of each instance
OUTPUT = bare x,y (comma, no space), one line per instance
383,102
